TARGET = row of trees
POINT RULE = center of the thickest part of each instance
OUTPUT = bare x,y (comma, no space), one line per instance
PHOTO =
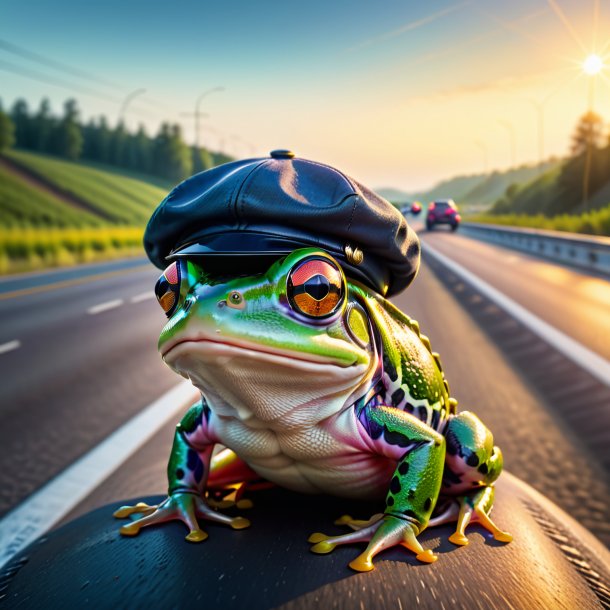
165,155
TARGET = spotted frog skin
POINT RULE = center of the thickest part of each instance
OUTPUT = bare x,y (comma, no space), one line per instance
317,384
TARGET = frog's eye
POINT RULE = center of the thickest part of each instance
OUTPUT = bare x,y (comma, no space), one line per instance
167,288
315,287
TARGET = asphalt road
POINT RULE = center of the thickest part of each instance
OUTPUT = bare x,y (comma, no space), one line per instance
76,376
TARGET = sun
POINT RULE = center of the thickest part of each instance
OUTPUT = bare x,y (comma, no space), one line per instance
593,64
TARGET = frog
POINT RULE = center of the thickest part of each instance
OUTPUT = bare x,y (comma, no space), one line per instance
314,382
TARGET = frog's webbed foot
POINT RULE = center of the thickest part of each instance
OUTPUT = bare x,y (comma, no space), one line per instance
184,506
382,532
468,509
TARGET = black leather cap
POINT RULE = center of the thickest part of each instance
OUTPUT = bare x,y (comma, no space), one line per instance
266,208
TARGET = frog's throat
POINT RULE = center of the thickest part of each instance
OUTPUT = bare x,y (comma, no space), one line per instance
262,388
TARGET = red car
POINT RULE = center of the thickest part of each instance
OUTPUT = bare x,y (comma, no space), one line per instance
443,212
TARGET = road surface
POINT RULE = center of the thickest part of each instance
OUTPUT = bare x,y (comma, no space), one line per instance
80,360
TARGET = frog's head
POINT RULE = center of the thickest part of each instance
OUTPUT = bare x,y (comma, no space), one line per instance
269,346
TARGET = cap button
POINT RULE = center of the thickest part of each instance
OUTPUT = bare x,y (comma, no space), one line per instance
281,153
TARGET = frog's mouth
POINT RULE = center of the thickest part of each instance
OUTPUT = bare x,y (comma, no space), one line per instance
200,343
265,386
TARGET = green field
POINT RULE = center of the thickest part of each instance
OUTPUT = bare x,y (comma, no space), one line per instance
24,205
111,196
66,213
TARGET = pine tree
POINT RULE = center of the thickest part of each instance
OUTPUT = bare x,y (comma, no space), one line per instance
7,131
43,125
22,122
589,132
67,136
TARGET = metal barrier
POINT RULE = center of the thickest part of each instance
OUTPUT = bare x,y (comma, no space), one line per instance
584,251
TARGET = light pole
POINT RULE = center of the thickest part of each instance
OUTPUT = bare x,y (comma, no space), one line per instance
539,106
485,150
198,111
128,99
513,145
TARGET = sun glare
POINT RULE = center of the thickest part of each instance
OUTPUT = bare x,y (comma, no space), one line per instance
593,64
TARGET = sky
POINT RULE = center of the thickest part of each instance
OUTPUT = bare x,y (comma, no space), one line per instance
396,93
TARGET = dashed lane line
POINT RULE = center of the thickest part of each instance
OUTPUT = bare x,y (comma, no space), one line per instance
585,358
66,283
10,346
144,296
47,506
105,306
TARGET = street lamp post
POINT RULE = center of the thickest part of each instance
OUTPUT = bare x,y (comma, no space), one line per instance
198,111
128,99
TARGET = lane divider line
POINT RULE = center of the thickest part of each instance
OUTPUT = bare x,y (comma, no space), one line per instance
105,306
74,282
10,346
144,296
585,358
47,506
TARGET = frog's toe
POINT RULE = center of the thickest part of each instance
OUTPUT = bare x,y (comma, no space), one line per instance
317,537
141,508
362,563
426,557
344,520
323,547
458,539
503,536
132,529
196,536
244,504
239,523
358,524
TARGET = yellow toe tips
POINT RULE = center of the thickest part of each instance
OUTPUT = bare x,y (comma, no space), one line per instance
131,529
126,511
427,557
196,536
244,504
322,547
240,523
344,520
458,539
503,536
317,537
361,564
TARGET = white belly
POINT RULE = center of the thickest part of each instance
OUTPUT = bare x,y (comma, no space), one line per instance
325,458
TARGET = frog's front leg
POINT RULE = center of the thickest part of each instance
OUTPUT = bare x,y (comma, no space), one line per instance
473,464
419,451
187,473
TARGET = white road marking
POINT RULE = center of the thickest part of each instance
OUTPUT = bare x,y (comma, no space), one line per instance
104,306
48,505
593,363
144,296
10,346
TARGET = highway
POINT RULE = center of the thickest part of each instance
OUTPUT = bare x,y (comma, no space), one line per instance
78,360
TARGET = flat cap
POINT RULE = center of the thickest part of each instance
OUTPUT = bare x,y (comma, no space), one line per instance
268,207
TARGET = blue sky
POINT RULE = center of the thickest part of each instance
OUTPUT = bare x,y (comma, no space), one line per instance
395,93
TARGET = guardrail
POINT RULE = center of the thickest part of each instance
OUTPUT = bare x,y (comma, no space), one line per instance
584,251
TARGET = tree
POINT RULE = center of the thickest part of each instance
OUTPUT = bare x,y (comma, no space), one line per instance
201,158
588,133
7,131
23,127
171,156
118,145
139,151
67,136
43,125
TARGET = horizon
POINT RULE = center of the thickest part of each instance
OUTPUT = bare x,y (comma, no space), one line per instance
449,89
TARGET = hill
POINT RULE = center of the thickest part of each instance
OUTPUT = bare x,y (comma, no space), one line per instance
106,195
480,191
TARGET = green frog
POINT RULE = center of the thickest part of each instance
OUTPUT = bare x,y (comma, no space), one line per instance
316,383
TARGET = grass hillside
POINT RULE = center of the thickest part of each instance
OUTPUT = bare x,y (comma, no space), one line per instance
55,212
482,190
109,195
